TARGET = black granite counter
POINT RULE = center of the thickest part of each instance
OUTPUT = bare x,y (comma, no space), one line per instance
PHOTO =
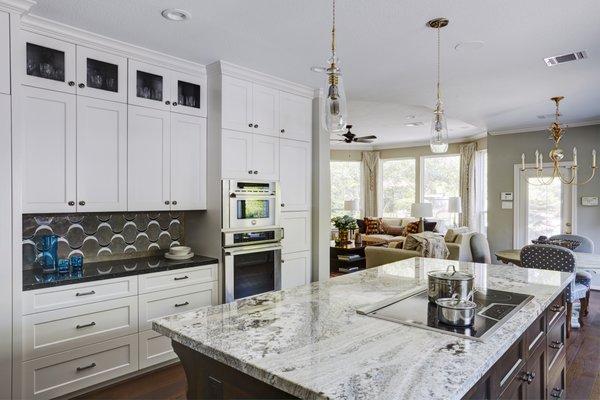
35,279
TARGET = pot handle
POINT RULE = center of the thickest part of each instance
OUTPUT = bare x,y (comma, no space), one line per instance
453,269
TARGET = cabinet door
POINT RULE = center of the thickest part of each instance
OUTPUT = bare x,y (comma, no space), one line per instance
295,269
536,370
101,155
236,102
295,117
236,159
265,110
48,153
188,94
265,157
4,54
101,75
148,165
149,85
188,162
295,175
48,63
296,226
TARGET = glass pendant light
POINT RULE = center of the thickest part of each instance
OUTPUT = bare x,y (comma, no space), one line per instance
335,108
439,129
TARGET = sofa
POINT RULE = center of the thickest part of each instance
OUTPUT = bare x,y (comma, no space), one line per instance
387,238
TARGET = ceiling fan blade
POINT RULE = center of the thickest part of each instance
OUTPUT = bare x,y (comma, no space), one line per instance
363,140
337,140
367,137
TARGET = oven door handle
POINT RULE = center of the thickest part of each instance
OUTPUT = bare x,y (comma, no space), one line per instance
252,250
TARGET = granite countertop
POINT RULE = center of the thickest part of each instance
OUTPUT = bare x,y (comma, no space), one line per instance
35,279
310,342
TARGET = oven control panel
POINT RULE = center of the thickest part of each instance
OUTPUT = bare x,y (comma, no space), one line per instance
242,238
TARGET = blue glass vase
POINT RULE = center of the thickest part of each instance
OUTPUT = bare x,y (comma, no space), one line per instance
49,257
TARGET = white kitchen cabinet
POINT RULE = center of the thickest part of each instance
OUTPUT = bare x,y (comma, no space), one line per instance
188,162
101,155
4,53
295,269
295,117
265,110
236,160
173,279
48,155
295,175
148,172
149,85
188,94
236,98
296,227
101,75
48,63
154,349
265,157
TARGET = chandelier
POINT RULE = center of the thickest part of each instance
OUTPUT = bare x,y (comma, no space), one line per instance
439,129
335,109
557,131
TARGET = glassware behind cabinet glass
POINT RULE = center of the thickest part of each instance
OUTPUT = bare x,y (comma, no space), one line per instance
49,256
77,262
63,266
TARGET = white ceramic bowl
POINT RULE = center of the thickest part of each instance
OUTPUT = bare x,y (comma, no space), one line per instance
179,250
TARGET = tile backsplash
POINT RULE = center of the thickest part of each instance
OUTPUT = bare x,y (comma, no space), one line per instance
103,236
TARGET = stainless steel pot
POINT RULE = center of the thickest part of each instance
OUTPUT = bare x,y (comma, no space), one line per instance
444,284
456,312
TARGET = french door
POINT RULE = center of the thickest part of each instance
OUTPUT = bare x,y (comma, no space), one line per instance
543,208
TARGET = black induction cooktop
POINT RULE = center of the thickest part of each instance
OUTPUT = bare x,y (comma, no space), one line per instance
494,307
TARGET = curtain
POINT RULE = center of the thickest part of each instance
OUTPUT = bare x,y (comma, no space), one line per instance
370,161
467,184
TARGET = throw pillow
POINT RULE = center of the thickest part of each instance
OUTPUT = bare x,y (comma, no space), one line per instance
372,226
412,227
392,230
361,225
430,226
395,245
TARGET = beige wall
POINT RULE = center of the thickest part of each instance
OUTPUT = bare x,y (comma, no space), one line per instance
504,151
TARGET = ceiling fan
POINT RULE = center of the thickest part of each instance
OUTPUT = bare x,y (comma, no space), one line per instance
350,137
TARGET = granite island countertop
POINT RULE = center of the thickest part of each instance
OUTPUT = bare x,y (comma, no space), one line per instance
310,342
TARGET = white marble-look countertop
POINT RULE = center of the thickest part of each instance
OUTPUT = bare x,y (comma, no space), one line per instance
310,342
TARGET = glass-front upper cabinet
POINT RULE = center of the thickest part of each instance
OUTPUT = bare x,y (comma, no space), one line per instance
149,85
101,75
188,94
49,63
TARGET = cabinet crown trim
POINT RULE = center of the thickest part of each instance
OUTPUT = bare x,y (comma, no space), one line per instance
17,6
226,68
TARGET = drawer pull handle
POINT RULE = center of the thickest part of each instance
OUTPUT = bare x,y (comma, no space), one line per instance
516,366
92,365
557,308
180,278
85,325
557,344
557,393
182,304
79,294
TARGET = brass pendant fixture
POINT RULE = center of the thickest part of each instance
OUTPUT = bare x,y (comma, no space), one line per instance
556,154
439,128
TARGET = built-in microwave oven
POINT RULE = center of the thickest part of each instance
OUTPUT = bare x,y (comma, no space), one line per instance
250,204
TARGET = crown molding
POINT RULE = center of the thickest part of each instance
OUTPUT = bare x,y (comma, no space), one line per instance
236,71
57,30
542,128
17,6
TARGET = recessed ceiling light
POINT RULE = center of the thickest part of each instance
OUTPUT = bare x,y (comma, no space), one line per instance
418,123
471,45
410,117
175,14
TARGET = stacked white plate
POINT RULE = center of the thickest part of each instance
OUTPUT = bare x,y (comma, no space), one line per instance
179,253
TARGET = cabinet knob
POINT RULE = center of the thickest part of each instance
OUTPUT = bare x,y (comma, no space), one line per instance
71,83
71,203
174,104
167,102
174,202
282,131
82,203
250,125
167,202
282,261
250,171
255,172
81,85
282,204
256,125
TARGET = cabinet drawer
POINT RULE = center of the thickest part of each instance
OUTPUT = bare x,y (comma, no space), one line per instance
557,380
60,330
535,334
154,349
555,309
557,341
63,373
509,365
149,283
174,301
53,298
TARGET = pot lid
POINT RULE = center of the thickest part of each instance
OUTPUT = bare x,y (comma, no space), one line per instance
451,273
456,304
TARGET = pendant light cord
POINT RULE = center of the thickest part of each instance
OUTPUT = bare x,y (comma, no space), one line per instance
333,32
438,61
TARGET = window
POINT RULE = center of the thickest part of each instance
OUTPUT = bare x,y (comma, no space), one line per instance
441,180
481,201
345,185
398,187
544,209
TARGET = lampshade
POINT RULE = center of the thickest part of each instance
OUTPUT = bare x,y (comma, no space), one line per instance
351,205
421,210
454,205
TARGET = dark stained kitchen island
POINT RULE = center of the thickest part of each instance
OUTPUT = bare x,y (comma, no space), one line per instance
309,341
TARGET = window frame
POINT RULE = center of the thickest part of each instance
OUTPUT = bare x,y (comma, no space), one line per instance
380,181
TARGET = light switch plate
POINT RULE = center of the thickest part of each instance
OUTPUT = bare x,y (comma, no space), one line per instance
506,196
507,205
589,201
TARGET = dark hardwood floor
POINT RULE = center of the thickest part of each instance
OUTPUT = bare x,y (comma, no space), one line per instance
583,366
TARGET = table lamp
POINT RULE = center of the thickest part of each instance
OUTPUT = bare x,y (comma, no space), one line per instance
421,210
455,208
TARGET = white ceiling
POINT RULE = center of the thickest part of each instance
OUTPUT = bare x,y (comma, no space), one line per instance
387,53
